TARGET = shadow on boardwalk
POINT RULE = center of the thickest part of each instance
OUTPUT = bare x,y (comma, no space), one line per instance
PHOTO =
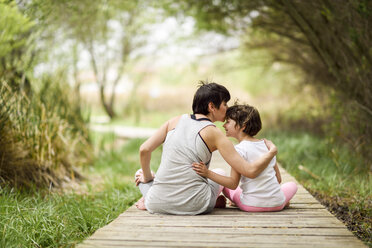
306,223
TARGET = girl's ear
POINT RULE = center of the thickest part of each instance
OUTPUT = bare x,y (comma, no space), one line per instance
242,128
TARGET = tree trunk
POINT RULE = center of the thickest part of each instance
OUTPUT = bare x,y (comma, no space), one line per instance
101,83
109,109
76,78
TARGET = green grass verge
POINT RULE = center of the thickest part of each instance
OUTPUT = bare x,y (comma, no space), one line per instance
328,168
55,220
47,219
337,176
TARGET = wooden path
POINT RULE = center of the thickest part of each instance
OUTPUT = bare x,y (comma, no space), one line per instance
306,223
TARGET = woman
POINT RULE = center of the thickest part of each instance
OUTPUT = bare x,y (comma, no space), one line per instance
177,189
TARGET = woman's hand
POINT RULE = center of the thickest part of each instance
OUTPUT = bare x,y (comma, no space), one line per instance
200,168
270,145
139,178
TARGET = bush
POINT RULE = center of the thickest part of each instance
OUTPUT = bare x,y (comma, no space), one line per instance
43,138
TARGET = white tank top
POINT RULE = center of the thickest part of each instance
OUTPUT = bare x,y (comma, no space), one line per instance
264,190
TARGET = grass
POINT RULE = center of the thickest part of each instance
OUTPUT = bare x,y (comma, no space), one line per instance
329,168
337,176
61,219
55,220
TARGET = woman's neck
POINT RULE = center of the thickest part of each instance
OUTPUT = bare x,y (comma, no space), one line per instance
209,116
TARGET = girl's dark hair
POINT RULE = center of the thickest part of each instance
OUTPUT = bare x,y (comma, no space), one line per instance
245,116
209,92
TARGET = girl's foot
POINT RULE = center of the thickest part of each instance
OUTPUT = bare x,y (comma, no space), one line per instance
232,204
287,205
220,202
140,204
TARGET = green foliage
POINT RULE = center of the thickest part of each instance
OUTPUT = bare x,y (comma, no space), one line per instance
53,220
337,169
58,97
329,42
112,32
351,126
124,160
43,133
46,219
333,172
14,26
17,47
44,138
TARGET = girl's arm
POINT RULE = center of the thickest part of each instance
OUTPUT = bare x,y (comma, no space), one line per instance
278,176
216,140
150,145
230,182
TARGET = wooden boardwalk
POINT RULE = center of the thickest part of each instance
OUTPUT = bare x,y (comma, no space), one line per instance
306,223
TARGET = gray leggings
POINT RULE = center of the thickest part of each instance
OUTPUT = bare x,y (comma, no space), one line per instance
216,190
144,188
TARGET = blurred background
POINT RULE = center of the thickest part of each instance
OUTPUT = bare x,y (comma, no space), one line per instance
73,71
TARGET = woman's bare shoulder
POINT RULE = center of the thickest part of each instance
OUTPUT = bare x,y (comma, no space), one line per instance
211,130
211,133
172,123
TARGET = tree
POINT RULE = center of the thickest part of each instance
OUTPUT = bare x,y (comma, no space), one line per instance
17,51
130,34
113,32
329,41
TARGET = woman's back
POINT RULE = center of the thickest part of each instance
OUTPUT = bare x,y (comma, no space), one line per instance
177,189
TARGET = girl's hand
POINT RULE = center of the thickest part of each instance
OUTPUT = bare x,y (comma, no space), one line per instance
270,145
139,178
200,168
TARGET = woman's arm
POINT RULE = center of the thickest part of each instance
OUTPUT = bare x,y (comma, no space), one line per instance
278,176
216,140
230,182
150,145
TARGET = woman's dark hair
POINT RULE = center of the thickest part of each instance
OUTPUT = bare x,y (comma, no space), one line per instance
245,116
209,92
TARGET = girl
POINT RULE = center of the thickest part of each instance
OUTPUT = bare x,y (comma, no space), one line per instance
259,194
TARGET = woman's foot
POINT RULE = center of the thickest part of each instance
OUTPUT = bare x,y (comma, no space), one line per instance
140,173
220,202
140,204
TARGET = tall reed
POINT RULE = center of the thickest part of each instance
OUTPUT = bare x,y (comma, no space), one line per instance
43,137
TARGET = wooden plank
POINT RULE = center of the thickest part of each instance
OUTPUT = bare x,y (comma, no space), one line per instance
306,206
232,212
238,213
265,242
130,230
238,238
313,223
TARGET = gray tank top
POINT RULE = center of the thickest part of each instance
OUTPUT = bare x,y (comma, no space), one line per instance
177,189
